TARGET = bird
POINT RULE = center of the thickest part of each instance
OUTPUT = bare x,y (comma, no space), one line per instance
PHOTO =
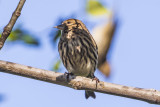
78,50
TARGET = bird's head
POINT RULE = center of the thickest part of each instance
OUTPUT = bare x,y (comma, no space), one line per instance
71,24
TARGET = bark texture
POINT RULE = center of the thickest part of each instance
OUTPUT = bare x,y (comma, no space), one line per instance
81,83
8,28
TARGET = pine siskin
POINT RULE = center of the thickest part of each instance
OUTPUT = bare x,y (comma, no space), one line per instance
78,50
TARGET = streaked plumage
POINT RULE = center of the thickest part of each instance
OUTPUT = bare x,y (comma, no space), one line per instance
78,50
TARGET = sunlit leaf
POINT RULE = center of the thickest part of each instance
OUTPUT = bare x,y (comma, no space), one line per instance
94,7
57,65
13,36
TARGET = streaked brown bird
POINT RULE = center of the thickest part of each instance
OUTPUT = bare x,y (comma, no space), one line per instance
78,50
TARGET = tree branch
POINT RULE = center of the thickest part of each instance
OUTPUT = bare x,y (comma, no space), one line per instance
8,28
81,83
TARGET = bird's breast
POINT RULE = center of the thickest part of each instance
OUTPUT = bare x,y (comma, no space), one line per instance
79,62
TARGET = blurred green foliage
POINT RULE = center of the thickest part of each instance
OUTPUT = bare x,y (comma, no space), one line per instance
94,7
57,65
21,35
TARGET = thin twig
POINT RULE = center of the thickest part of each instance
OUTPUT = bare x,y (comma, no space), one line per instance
8,28
81,83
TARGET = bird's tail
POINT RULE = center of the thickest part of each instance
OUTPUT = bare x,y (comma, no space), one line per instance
90,94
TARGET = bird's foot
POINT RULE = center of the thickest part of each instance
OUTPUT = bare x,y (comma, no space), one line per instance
97,80
67,74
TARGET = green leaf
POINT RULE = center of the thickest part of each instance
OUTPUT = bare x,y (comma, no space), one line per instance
13,36
57,65
95,8
29,39
22,35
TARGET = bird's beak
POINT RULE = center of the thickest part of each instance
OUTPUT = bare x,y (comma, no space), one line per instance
60,27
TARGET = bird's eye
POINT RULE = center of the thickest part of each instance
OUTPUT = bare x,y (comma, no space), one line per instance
68,22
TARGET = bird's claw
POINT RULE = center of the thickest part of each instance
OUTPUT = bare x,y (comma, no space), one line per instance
67,75
97,80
